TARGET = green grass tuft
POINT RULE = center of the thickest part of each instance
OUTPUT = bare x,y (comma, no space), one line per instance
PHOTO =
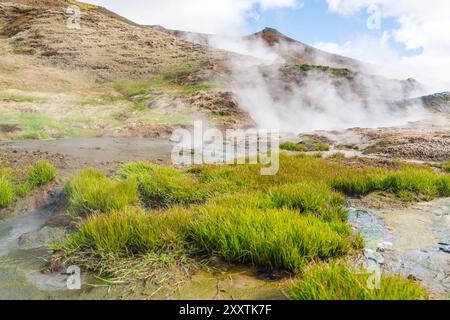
339,282
408,183
41,173
131,231
6,192
163,186
17,183
280,239
290,146
90,191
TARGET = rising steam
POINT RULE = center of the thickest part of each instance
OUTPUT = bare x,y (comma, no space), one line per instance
319,101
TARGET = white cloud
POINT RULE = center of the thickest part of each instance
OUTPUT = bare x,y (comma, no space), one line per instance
207,16
422,25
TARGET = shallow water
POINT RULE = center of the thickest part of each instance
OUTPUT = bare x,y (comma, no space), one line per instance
21,276
417,235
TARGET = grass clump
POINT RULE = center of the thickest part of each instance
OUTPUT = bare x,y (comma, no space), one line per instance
6,192
131,231
314,144
290,146
90,191
41,173
312,198
307,145
339,282
164,186
17,183
409,183
278,239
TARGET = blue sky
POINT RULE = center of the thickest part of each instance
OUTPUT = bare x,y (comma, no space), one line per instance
314,23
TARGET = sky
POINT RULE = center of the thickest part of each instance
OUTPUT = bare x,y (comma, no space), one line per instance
407,38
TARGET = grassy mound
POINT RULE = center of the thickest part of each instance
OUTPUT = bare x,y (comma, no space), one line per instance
446,166
17,183
6,192
41,173
290,146
339,282
90,191
277,239
163,187
308,144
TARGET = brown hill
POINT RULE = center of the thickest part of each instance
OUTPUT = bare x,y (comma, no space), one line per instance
299,53
107,45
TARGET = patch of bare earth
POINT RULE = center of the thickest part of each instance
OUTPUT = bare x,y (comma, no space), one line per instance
424,146
222,108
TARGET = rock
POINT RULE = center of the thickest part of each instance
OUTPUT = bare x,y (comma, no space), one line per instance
384,246
446,250
41,238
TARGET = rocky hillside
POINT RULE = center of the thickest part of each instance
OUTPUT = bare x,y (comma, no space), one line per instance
108,45
296,52
439,102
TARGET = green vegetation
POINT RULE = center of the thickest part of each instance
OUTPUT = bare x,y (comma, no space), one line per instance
38,127
307,145
277,239
283,222
41,173
90,191
337,72
314,144
15,184
290,146
131,231
339,282
161,186
446,166
378,147
409,183
6,192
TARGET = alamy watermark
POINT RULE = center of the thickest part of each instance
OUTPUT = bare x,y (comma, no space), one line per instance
73,281
374,20
211,146
74,20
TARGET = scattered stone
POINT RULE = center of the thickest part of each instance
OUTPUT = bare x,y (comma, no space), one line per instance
384,246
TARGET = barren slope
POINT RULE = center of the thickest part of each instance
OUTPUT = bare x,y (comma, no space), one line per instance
108,45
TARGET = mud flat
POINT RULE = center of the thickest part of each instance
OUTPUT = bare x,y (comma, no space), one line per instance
90,152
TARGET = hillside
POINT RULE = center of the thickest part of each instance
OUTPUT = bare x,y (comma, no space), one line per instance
111,77
297,52
108,45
